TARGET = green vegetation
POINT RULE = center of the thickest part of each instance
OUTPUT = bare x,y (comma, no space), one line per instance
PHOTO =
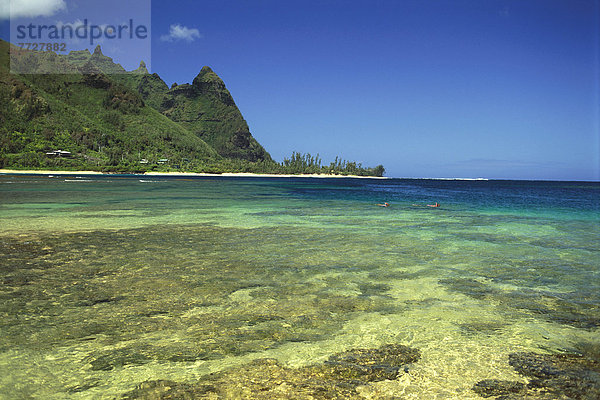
297,164
109,120
307,164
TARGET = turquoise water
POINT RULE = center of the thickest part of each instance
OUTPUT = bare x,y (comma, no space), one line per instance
111,281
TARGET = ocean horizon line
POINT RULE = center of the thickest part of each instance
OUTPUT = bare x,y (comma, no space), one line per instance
259,175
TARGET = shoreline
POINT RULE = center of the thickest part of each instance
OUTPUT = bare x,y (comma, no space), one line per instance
184,174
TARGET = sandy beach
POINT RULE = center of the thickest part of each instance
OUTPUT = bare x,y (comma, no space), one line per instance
189,174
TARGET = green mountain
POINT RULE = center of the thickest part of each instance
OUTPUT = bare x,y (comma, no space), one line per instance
84,111
103,124
113,120
205,108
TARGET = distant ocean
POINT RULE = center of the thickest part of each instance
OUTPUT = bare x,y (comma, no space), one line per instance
111,281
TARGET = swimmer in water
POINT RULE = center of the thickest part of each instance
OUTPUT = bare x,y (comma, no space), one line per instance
383,205
433,205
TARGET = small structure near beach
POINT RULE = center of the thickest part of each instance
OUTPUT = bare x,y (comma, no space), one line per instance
59,153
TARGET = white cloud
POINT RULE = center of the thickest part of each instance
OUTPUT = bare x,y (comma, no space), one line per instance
30,8
73,25
179,32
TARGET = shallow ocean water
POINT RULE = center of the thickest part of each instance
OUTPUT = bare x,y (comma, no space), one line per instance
111,281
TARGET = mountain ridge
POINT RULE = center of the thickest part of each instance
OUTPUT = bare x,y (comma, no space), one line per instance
103,101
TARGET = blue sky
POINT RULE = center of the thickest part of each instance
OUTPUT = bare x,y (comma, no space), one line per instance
495,89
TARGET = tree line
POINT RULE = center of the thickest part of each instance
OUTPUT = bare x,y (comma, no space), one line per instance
306,163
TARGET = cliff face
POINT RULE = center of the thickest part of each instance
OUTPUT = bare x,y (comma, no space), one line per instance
207,109
208,83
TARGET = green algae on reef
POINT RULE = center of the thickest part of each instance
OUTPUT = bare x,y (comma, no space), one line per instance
569,308
337,378
551,377
122,284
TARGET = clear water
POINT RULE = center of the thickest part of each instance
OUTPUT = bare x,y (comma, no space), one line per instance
111,281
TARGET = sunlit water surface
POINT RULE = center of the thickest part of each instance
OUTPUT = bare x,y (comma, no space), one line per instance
108,282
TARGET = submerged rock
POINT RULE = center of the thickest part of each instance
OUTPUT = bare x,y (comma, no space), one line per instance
573,308
337,378
370,365
554,376
482,328
572,375
495,387
117,358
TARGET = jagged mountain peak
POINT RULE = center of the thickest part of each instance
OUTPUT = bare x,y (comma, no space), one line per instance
207,75
207,82
141,69
103,62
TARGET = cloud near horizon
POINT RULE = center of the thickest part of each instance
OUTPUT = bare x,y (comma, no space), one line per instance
30,8
180,32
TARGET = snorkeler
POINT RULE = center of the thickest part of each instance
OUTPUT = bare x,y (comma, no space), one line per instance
428,205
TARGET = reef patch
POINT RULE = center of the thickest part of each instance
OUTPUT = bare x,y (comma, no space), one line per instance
337,378
551,376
